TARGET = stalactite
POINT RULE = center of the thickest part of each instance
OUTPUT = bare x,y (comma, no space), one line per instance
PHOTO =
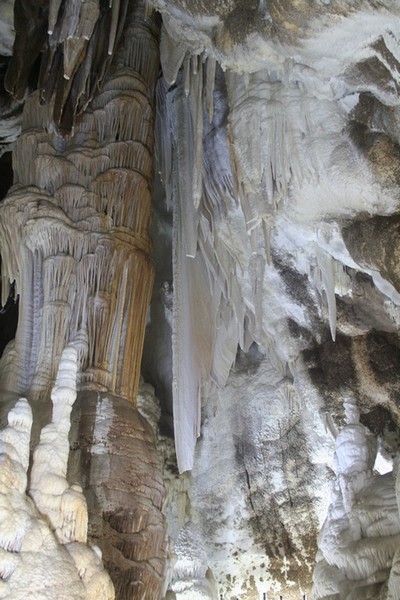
94,208
325,281
205,256
211,66
197,113
260,155
74,60
247,161
172,56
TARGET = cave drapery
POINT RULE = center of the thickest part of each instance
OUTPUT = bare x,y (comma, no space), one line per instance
257,457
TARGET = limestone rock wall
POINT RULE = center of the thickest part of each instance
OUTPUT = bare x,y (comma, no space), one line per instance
265,237
287,250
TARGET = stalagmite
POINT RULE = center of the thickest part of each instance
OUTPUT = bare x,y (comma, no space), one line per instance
64,506
43,549
358,543
192,579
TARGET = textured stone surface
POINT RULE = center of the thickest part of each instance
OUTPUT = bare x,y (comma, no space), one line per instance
78,216
262,485
297,157
358,544
115,458
383,254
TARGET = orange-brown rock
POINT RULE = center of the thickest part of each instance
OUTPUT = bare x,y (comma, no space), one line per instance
114,452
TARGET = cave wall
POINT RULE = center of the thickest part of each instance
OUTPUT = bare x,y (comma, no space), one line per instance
289,252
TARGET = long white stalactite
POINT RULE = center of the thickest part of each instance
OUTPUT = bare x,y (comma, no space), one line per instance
277,171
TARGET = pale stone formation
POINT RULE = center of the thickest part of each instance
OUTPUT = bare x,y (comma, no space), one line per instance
63,506
43,526
192,579
359,541
284,169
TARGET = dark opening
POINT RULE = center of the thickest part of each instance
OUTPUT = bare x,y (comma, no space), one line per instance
8,319
6,173
8,312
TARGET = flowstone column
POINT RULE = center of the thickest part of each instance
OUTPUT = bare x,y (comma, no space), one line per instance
75,227
74,236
